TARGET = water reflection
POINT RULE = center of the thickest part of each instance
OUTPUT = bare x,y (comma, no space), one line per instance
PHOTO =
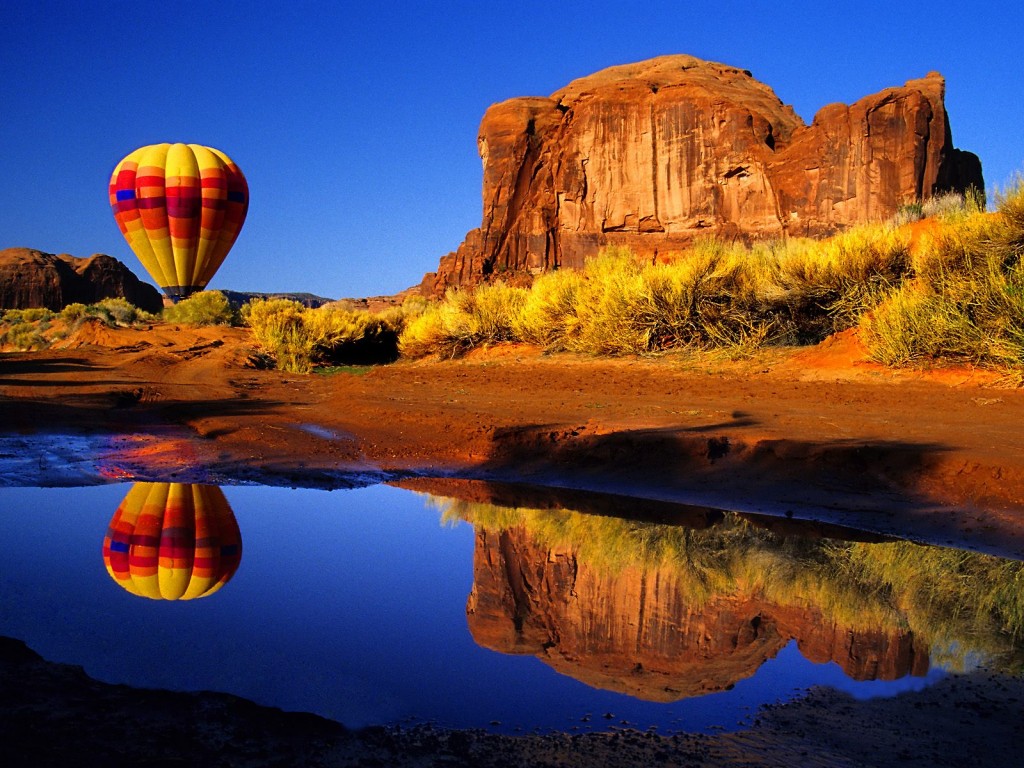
664,611
172,541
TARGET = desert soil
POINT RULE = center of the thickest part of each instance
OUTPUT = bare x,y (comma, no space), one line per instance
817,434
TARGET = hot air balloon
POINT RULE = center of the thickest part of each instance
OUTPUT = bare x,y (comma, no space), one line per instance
180,207
172,541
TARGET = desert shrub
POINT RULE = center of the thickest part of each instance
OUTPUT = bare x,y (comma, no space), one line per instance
606,306
30,315
119,313
72,314
826,285
908,213
300,339
20,335
548,316
712,299
952,205
966,301
203,308
1008,238
278,328
958,295
351,337
464,320
946,205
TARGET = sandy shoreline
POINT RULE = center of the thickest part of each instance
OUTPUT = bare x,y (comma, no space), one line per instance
815,434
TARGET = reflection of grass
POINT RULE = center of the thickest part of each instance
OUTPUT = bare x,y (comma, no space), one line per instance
959,603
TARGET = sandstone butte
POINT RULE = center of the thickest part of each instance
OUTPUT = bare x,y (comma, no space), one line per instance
30,278
655,154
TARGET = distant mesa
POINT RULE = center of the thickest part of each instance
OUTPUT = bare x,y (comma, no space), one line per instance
655,154
31,278
238,298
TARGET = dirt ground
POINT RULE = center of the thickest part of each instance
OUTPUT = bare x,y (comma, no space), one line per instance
816,434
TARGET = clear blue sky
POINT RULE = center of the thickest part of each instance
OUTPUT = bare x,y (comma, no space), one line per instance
355,123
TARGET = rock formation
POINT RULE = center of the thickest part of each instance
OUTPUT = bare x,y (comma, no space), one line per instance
30,278
654,154
642,632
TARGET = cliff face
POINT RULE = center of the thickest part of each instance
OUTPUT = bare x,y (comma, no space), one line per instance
643,633
30,278
654,154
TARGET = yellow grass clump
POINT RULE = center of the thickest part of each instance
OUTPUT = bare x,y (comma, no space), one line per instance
954,293
299,339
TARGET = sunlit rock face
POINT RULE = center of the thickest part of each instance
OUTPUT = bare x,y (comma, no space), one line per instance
654,154
648,632
31,278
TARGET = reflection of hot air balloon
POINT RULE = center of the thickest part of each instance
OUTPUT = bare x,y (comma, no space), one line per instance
180,207
172,541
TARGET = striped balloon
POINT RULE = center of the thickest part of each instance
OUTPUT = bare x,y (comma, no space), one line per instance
180,207
172,541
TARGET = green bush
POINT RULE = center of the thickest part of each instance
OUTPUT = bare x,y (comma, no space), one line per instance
119,313
73,313
31,315
36,328
20,335
203,308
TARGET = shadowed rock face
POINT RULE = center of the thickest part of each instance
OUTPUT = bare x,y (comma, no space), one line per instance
654,154
30,278
641,633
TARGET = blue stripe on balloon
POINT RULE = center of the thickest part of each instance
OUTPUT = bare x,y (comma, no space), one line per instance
126,194
119,546
236,197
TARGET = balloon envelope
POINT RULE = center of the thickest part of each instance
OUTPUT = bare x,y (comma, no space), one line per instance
172,541
180,207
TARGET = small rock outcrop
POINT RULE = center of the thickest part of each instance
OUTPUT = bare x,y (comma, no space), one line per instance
31,278
654,154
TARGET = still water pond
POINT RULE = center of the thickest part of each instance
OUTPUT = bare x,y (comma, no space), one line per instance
384,606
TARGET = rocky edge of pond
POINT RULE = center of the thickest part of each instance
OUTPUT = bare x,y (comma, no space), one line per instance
56,715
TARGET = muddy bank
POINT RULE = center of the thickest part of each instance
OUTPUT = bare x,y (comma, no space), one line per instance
55,715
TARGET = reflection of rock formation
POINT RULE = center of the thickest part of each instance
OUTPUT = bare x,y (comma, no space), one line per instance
641,632
172,541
